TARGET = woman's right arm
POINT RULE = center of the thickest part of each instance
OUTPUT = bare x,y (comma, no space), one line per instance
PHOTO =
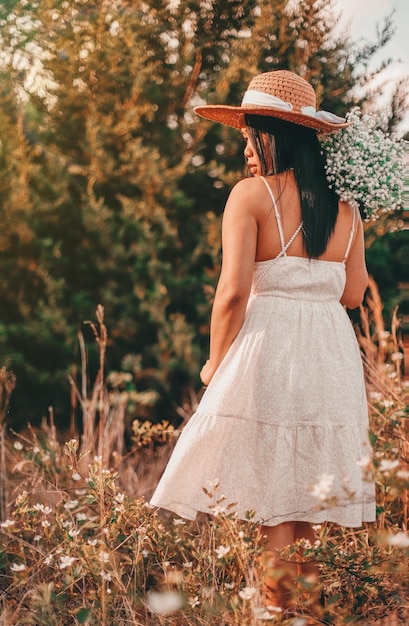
356,273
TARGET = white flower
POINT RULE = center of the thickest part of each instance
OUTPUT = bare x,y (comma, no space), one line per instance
74,532
221,551
7,523
179,522
400,540
164,603
71,504
45,523
76,476
48,559
83,54
81,517
18,445
17,567
218,509
114,28
322,489
66,561
365,166
106,576
247,593
103,557
386,465
188,564
44,509
194,601
120,497
262,614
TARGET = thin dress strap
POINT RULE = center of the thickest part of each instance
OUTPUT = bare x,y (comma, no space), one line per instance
284,247
278,218
351,237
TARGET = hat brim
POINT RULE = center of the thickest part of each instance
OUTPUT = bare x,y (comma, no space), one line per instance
234,116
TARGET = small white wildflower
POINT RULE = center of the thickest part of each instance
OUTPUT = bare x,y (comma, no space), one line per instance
76,476
188,564
103,557
404,474
397,356
179,522
247,593
322,489
7,523
120,497
45,523
109,590
262,614
114,28
17,567
221,551
106,576
92,542
194,601
66,561
80,517
98,460
145,552
71,504
83,54
18,445
48,559
387,466
400,540
164,603
218,509
37,537
74,532
229,586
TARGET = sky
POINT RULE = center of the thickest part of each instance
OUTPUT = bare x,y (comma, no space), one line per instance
361,17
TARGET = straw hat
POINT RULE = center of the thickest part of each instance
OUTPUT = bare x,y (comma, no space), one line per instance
280,94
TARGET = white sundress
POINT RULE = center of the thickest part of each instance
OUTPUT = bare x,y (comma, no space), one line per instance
283,424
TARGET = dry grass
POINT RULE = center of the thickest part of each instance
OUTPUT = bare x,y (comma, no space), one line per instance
80,545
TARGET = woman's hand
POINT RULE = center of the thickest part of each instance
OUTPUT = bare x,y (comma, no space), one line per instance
206,373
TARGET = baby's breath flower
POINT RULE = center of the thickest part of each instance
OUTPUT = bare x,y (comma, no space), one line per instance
76,476
18,445
365,166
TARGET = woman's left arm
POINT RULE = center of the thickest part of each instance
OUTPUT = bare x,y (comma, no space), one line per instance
239,243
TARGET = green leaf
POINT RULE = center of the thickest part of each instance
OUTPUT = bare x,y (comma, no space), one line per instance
83,615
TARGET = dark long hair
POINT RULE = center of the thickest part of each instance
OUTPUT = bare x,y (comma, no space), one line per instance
282,146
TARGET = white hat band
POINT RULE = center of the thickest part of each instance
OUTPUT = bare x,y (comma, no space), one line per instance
259,98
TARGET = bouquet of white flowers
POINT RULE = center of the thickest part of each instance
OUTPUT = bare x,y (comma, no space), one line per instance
365,165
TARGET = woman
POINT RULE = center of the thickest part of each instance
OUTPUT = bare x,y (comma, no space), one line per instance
283,423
